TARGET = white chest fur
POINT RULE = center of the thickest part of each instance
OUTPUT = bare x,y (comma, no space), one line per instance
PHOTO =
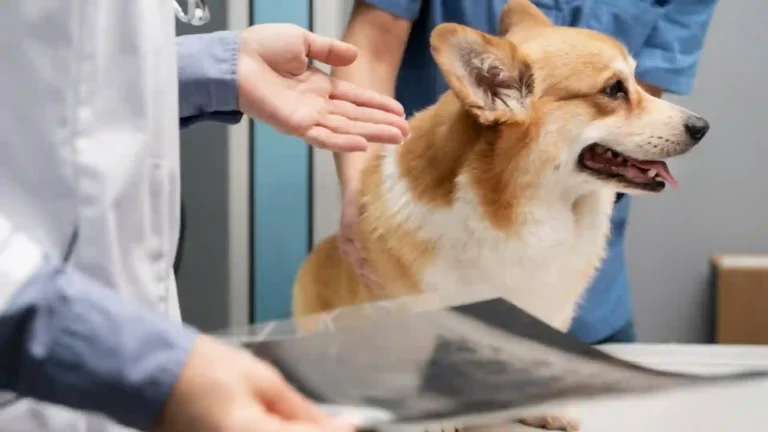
542,267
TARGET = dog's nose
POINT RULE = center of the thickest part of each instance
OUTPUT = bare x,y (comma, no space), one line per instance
696,127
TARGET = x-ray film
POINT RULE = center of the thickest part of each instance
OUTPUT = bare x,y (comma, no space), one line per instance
416,362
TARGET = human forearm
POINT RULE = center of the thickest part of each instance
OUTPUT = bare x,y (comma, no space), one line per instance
68,340
368,73
375,68
651,89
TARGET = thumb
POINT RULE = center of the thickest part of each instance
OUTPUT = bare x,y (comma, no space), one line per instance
267,423
330,51
287,402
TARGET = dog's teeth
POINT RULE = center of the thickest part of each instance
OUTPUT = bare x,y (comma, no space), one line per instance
620,158
658,178
600,150
608,153
651,173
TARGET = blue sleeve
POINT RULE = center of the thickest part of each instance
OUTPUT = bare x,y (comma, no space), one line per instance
665,36
670,55
65,339
207,66
408,9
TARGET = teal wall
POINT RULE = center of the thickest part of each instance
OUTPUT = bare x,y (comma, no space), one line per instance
282,192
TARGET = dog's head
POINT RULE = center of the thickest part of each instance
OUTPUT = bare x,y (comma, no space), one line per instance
575,90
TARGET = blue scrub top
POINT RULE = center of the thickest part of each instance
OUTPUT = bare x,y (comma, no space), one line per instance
664,36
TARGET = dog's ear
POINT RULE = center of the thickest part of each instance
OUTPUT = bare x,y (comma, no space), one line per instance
489,75
519,16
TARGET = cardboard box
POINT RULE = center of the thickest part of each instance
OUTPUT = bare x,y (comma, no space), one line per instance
741,284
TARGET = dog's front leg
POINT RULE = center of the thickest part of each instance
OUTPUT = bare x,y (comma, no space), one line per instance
554,422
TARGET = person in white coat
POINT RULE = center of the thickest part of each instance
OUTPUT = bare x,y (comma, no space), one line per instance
90,331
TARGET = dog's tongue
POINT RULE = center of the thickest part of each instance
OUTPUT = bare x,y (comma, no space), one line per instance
660,167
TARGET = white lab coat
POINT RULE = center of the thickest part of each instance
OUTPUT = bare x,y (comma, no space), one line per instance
89,142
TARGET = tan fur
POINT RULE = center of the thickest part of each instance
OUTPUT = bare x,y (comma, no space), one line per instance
501,146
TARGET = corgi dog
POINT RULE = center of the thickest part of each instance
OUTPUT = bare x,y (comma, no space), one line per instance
507,183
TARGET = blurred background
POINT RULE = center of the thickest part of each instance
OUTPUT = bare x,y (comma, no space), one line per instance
254,210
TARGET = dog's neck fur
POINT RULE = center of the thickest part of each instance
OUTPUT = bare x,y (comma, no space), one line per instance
501,167
490,217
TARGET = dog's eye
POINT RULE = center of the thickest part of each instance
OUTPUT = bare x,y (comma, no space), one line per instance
617,90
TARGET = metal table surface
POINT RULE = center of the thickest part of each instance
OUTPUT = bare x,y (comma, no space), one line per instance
736,408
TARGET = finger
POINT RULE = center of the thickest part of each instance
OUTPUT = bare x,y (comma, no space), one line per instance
372,132
367,274
329,51
369,115
350,249
347,250
346,91
373,284
270,423
365,271
283,400
323,138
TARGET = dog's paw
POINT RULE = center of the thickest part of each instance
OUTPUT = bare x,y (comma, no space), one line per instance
552,423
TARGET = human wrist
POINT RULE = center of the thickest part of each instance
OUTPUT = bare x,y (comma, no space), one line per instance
350,186
88,348
651,89
147,361
350,172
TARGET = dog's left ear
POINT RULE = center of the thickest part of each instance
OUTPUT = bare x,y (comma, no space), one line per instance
490,75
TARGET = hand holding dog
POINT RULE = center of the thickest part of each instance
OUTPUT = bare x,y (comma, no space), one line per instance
347,239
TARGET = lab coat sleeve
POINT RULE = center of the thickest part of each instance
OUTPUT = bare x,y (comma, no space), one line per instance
207,65
67,340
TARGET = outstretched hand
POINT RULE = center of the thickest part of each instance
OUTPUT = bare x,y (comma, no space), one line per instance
278,85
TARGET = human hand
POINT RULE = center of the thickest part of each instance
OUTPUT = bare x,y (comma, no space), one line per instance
346,238
276,84
225,389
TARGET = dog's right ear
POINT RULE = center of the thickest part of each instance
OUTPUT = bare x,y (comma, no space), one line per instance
490,75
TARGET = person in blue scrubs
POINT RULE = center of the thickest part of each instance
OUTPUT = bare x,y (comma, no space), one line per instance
664,36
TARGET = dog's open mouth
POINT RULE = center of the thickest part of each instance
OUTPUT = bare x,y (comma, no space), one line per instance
604,163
